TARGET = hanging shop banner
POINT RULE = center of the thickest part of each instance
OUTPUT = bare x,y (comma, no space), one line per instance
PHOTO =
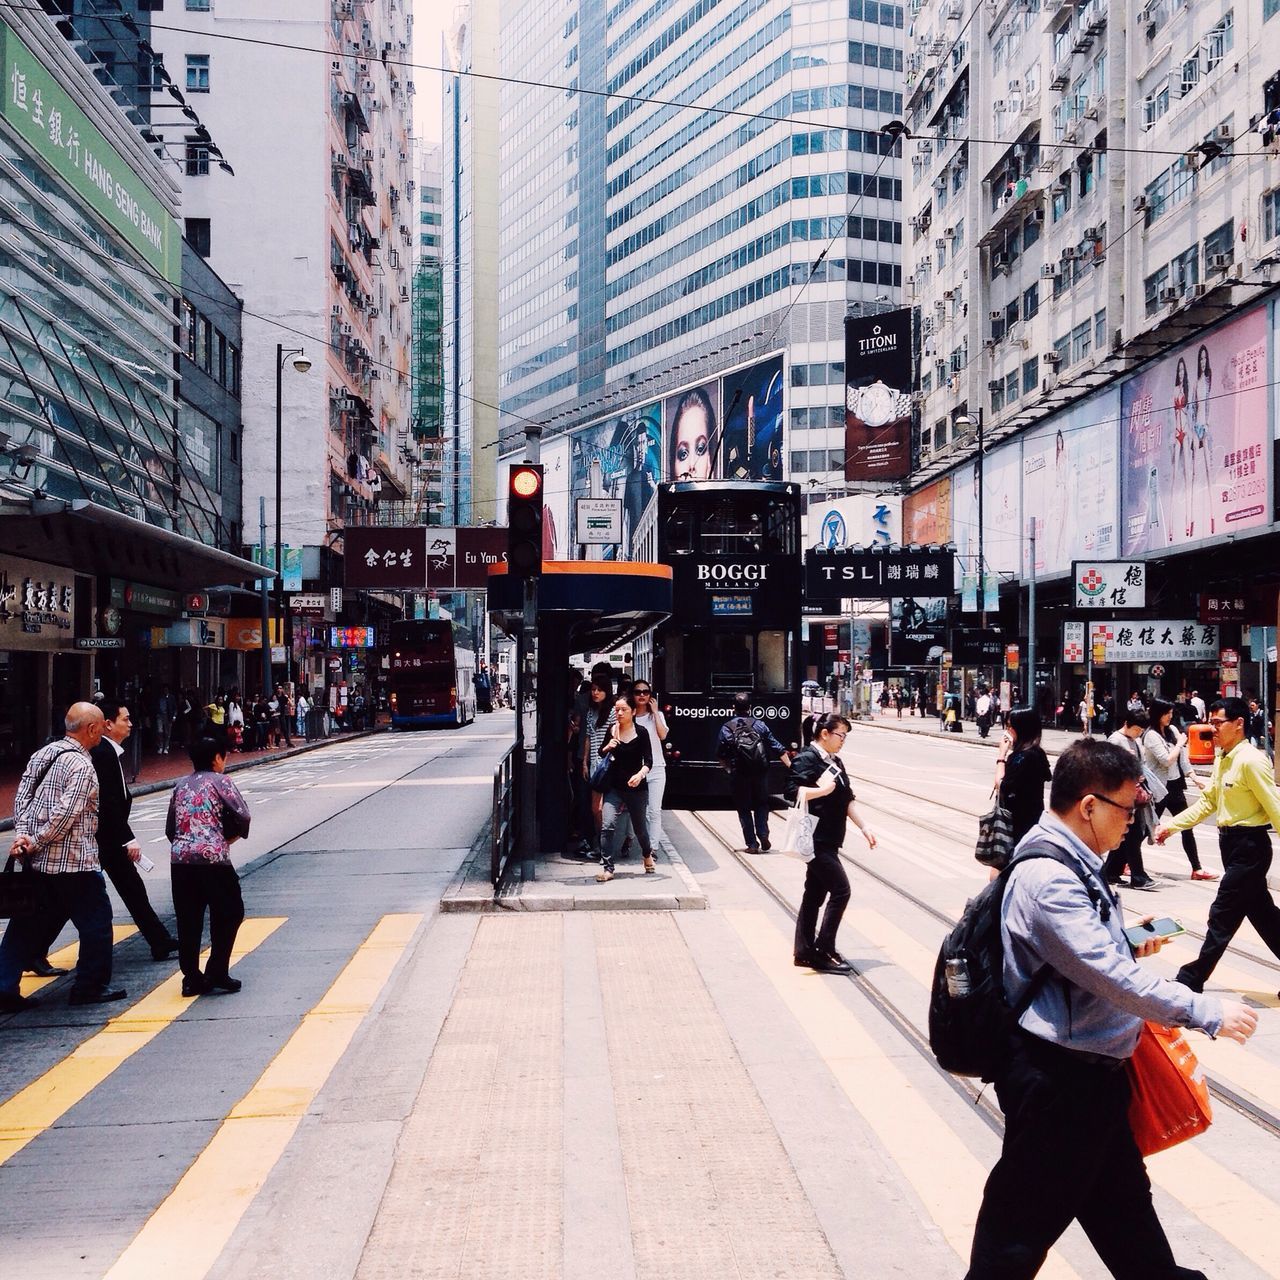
1196,440
926,514
48,120
1110,584
385,558
1069,473
142,598
877,575
878,384
918,630
753,422
1073,643
1179,640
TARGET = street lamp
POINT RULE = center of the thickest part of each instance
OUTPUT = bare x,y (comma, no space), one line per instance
967,420
301,363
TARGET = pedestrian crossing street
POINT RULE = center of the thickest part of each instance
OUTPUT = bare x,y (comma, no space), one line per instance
1209,1188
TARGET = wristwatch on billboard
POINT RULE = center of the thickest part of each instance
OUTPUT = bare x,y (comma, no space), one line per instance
877,403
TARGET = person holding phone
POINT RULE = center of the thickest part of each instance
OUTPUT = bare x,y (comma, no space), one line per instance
818,777
649,717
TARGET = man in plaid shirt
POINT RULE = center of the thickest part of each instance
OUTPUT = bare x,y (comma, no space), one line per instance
55,817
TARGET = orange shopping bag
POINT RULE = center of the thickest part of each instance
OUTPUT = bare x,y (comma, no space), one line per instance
1170,1101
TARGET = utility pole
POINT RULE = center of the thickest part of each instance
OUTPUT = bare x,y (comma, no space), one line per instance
982,560
1031,622
266,606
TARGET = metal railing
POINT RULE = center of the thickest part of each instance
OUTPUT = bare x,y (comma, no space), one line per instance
505,826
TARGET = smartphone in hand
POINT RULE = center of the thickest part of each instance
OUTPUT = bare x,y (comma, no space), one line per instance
1165,927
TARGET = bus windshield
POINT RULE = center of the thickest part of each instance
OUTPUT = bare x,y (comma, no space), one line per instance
728,660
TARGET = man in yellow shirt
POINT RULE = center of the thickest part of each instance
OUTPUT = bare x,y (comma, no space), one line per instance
1243,797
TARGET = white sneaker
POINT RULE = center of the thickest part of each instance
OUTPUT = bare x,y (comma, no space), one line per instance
603,876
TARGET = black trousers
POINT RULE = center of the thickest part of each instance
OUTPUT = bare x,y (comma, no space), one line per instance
1068,1154
1127,853
1174,803
1242,895
824,878
214,886
123,874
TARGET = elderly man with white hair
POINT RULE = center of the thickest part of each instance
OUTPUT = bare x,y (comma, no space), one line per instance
55,818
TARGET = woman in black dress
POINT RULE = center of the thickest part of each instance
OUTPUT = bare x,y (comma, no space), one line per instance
1026,770
630,754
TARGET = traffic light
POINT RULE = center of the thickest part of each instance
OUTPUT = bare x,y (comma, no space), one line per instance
524,520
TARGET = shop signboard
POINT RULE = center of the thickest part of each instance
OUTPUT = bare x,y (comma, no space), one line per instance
1072,643
1196,440
918,628
100,642
1110,584
309,605
926,514
1254,604
878,384
1158,640
378,557
860,520
974,647
351,637
48,120
143,598
198,633
37,604
877,575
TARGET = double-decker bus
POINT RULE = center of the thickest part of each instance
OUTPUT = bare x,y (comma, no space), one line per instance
429,684
734,550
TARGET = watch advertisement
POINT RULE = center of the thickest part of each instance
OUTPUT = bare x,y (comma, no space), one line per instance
878,382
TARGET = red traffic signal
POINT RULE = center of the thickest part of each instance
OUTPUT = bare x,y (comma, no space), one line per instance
524,520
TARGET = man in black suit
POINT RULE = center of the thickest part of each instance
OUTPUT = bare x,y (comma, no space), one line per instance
118,850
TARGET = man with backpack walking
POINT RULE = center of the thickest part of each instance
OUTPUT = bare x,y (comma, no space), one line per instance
745,748
1061,1022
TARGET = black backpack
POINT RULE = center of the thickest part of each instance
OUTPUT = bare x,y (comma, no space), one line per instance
969,1033
747,752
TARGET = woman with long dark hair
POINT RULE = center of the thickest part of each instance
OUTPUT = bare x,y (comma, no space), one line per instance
630,754
1025,772
593,733
1177,774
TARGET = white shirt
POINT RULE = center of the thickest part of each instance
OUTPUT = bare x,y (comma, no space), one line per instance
1198,703
115,746
649,722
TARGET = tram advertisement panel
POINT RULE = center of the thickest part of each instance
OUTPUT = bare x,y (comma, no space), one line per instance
693,433
753,422
721,590
1195,440
694,722
878,381
628,449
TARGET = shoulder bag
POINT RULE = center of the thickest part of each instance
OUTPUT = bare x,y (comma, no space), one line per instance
20,889
797,834
1169,1100
599,780
995,838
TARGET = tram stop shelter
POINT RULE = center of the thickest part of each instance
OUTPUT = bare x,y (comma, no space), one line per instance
584,606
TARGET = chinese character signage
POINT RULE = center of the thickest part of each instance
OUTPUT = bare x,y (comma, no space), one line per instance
37,604
351,637
43,114
418,557
1110,584
1144,640
878,383
878,575
1254,603
973,647
1072,643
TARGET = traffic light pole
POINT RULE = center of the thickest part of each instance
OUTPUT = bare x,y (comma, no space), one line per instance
528,727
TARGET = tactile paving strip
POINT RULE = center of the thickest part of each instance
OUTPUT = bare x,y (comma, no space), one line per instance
477,1188
710,1188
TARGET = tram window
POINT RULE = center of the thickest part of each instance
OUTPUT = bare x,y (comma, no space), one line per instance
727,661
680,531
773,662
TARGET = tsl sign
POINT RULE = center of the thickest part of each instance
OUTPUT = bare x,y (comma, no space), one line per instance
878,574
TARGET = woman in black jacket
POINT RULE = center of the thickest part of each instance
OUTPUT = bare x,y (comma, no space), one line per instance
818,777
1026,770
630,755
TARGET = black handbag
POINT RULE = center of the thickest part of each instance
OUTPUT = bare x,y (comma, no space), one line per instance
20,890
599,780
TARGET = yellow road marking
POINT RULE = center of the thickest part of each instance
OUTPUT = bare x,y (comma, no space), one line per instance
65,958
945,1174
189,1230
45,1101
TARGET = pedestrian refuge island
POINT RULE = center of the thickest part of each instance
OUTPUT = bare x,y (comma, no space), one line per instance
583,606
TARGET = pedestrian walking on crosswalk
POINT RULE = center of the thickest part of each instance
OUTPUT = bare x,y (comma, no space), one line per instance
207,814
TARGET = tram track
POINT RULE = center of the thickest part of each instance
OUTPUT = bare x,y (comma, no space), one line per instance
902,1022
950,832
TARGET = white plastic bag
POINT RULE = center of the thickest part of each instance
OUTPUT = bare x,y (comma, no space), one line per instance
797,835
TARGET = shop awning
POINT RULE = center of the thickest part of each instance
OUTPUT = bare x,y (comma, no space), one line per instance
91,538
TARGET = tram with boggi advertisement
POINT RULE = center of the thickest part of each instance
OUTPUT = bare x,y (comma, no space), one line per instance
734,551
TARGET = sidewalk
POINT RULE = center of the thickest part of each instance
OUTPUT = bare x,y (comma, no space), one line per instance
1054,741
159,773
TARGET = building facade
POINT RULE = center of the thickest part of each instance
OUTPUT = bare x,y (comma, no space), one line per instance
705,227
470,284
1092,245
428,364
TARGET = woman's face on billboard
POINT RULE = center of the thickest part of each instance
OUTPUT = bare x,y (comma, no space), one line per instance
691,448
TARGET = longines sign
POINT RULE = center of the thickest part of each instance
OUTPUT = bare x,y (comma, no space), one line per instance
878,575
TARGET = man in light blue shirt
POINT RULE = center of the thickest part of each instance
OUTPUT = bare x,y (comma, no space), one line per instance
1062,1085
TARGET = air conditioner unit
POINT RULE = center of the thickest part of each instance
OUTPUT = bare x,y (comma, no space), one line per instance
1037,216
1000,262
404,293
948,294
367,154
1140,204
1015,86
995,316
1091,111
1049,271
1217,261
995,384
1221,134
335,66
940,243
1144,18
998,105
1196,291
1070,253
1093,233
374,313
1053,359
1168,297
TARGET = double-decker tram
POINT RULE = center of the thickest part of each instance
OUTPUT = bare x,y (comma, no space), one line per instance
734,550
430,681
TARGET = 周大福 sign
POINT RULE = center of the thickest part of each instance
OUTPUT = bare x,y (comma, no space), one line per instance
878,575
1110,584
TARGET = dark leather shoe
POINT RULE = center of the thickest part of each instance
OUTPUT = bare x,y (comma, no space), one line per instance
165,949
96,997
765,846
828,964
195,987
15,1003
43,969
229,985
806,960
836,956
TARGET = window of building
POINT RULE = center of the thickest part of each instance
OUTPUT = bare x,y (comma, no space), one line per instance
1088,176
204,345
1030,301
1011,387
233,369
1081,340
1062,349
1219,244
1060,204
997,396
220,357
197,73
198,233
1152,287
1100,330
233,446
1030,375
198,6
1271,210
196,164
1219,42
1184,270
189,329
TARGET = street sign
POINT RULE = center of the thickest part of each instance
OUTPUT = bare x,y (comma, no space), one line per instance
1230,658
1110,584
310,605
335,599
879,574
1011,656
599,521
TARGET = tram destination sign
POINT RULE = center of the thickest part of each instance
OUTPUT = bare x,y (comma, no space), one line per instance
878,574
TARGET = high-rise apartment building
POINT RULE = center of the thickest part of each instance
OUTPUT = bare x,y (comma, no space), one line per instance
703,227
470,286
428,368
315,228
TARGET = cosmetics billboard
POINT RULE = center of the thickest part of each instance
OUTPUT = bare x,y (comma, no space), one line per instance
628,448
1195,440
692,436
878,383
926,514
753,422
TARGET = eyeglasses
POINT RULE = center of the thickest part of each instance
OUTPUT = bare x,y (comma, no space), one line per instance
1128,809
836,733
1216,722
642,693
